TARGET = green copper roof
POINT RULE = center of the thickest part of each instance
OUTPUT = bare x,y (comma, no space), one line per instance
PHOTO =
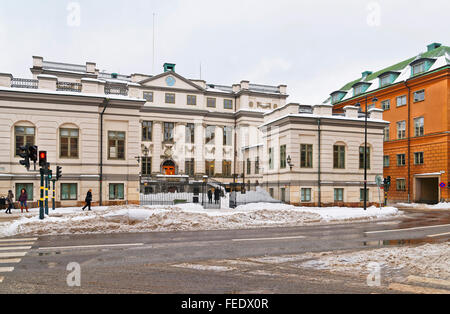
435,53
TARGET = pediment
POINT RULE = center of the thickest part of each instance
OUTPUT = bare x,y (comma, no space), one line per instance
171,80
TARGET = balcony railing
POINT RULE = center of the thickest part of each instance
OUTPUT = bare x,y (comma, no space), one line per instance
116,89
68,87
24,83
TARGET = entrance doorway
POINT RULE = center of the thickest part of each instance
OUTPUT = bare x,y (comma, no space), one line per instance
427,190
168,168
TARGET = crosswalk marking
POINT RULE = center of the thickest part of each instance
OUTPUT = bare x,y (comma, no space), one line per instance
15,248
433,281
6,269
10,260
416,289
18,240
13,254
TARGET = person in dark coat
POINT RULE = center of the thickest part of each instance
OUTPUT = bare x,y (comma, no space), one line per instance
23,200
10,202
88,200
216,196
210,196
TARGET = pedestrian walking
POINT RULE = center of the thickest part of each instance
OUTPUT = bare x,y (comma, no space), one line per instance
10,202
210,195
23,200
216,196
88,200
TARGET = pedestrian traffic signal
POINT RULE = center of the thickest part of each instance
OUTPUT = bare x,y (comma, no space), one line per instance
43,159
33,149
58,172
25,154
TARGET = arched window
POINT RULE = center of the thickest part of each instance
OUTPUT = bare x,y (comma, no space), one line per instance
69,141
339,156
361,157
24,134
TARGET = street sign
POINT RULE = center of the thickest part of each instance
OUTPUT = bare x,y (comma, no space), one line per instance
378,180
442,185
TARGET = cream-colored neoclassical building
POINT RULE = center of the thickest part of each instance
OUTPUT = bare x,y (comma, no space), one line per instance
122,135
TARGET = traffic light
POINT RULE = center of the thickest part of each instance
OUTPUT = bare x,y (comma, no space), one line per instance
25,154
50,174
33,149
389,180
58,172
43,159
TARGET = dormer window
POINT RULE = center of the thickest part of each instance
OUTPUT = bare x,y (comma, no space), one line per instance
421,65
418,68
385,80
337,96
360,88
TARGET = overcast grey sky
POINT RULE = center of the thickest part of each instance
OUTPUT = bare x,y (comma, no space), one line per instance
312,46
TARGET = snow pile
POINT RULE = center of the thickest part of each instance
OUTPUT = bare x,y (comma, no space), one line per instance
181,217
439,206
432,260
259,195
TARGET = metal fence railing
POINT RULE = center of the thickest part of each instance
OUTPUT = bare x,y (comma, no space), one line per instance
68,87
24,83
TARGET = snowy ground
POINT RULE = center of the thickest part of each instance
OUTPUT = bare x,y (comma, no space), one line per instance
182,217
396,263
439,206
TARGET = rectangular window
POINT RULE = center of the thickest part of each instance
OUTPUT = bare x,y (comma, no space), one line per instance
69,191
168,131
401,101
401,130
190,133
339,157
338,195
146,167
147,128
116,143
24,135
361,157
257,165
418,68
419,126
226,168
116,191
271,164
227,104
249,166
191,100
283,156
386,133
306,156
401,159
209,168
28,188
227,135
68,143
386,104
385,80
305,195
210,134
148,96
419,95
170,98
401,184
386,161
418,158
211,102
358,90
189,167
361,195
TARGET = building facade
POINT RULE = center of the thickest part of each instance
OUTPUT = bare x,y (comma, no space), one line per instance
122,135
415,96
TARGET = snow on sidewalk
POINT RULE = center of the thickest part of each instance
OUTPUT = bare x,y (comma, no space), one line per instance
439,206
183,217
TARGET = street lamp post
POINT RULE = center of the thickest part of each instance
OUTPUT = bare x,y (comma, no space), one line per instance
374,100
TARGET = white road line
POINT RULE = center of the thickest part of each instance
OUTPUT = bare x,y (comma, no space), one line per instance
10,260
18,240
16,243
268,239
407,229
88,246
1,279
6,269
15,248
416,289
13,254
433,281
438,235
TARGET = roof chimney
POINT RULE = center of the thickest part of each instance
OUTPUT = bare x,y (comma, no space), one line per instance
433,46
366,74
169,67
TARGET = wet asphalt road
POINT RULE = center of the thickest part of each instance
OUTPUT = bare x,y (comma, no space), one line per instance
150,262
